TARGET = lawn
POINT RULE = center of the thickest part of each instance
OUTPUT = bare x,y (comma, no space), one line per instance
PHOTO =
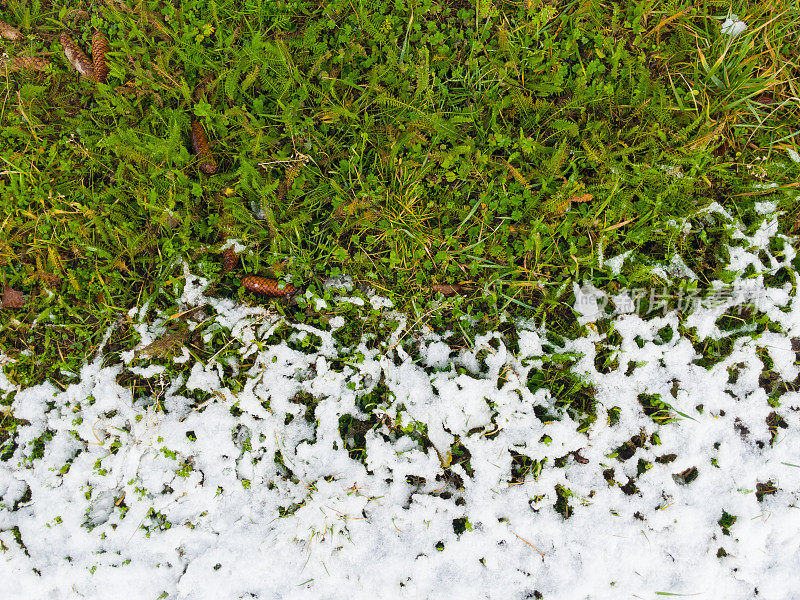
489,170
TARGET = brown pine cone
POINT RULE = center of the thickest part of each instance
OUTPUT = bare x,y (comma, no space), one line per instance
22,63
10,33
267,287
229,260
76,57
200,146
100,63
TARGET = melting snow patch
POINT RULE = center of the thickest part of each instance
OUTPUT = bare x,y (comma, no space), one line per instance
235,244
5,384
733,26
292,466
615,264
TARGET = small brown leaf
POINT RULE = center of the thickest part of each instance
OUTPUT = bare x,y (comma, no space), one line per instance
578,458
583,198
447,289
12,298
170,343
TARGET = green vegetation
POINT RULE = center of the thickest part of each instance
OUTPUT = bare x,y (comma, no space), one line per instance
405,143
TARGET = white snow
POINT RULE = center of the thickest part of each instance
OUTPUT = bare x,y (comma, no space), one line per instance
235,244
447,481
615,263
765,208
733,26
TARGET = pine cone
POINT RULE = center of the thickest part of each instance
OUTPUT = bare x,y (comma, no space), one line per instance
100,63
10,33
77,58
267,287
22,63
200,146
229,260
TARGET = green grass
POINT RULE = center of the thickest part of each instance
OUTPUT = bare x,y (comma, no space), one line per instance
406,143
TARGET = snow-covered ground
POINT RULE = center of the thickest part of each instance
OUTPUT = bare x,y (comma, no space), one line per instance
465,478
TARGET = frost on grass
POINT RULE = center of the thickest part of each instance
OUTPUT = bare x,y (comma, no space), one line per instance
290,465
